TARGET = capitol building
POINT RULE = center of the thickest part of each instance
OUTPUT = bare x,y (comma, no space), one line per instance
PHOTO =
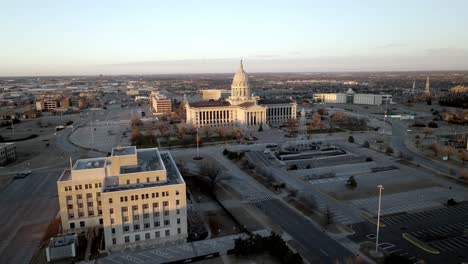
241,109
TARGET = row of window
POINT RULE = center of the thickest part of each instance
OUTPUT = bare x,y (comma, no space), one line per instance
80,187
138,180
143,196
157,234
156,224
80,196
82,224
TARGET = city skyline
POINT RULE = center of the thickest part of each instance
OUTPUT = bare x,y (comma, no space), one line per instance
65,38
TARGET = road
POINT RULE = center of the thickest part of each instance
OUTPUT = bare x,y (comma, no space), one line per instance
317,246
398,142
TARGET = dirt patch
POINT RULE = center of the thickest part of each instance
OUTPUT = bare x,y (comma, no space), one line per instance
370,191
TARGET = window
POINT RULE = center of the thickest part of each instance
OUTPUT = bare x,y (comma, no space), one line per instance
155,205
152,195
112,221
121,199
110,200
113,230
111,211
136,217
179,231
156,234
125,218
98,194
147,225
126,228
156,224
146,195
80,205
114,241
156,214
163,194
145,206
101,221
142,196
91,213
79,196
157,195
100,212
178,220
95,185
138,180
100,185
124,209
168,232
137,237
89,195
128,181
90,204
66,188
69,197
72,225
177,202
86,186
79,186
135,207
127,239
166,213
80,214
70,206
132,197
136,197
177,192
76,187
146,215
147,179
99,203
157,178
136,227
126,198
166,203
82,223
178,211
147,236
167,222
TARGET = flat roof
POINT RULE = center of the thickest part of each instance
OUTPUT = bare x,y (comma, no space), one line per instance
3,145
210,103
122,151
275,101
148,160
85,164
173,177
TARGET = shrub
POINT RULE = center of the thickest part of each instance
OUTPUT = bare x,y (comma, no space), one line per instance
351,139
432,124
225,152
351,182
369,159
366,144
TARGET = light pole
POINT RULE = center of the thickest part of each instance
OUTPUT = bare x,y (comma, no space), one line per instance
198,150
378,219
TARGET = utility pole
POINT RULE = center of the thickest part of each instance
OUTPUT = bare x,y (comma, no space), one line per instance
378,219
198,151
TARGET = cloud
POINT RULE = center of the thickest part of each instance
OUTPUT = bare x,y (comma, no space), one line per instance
392,46
447,51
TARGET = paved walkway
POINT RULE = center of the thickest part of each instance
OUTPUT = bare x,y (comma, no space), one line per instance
176,252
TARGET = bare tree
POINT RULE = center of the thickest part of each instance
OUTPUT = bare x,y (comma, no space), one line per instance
463,155
213,174
316,122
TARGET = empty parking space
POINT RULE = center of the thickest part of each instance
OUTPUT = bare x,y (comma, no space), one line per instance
425,215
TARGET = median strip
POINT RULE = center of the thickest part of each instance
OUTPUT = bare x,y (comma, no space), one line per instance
371,219
420,244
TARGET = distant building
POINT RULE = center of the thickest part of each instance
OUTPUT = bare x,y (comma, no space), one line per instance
240,109
215,94
47,104
136,196
350,97
160,103
459,89
7,153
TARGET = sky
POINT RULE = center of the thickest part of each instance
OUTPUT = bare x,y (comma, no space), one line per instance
87,37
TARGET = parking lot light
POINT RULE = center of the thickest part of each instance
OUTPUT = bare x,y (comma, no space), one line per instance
378,219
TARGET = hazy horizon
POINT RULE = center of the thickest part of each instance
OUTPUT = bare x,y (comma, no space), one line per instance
56,38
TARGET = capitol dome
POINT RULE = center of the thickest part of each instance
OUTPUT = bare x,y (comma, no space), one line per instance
240,78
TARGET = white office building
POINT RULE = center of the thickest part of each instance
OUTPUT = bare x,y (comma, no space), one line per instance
136,196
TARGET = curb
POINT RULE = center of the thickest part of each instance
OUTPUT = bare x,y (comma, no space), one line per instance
420,244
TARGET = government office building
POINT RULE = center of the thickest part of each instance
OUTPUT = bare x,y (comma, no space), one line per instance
137,196
241,109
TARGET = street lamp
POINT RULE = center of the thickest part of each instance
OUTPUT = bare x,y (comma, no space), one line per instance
378,219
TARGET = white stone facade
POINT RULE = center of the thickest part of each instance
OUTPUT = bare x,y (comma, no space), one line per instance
240,109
